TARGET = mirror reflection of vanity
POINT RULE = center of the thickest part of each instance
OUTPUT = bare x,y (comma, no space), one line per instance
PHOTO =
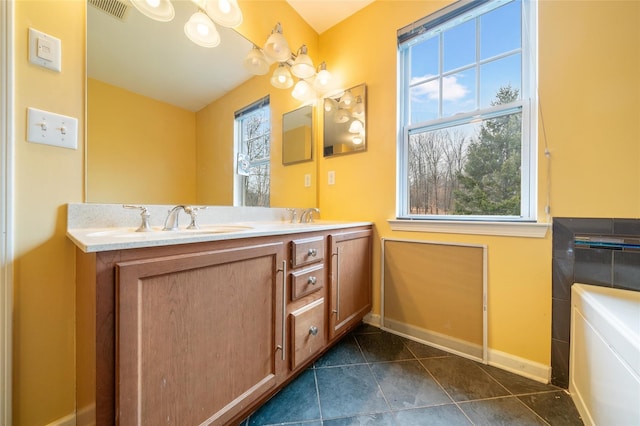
345,122
297,135
143,147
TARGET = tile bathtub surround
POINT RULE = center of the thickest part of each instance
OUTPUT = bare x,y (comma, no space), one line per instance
596,266
373,377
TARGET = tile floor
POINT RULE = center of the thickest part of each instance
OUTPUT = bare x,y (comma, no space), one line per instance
372,377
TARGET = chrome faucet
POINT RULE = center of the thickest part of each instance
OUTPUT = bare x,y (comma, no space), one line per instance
172,221
144,215
307,215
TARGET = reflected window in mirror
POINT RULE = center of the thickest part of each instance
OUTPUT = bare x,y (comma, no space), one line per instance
345,122
253,146
297,135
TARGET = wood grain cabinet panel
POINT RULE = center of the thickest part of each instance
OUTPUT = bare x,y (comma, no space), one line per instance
186,358
307,281
307,332
307,250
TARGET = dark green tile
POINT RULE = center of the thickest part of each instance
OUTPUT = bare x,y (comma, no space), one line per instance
442,415
517,384
556,408
294,403
345,352
463,379
349,391
379,347
424,351
379,419
407,384
500,411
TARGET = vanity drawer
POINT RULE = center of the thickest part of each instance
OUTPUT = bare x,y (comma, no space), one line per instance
307,281
307,332
306,251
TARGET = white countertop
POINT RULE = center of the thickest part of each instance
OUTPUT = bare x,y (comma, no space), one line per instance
95,228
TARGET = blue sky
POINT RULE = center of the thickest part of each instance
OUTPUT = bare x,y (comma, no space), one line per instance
499,33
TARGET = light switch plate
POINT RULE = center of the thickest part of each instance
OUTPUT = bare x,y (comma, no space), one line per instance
307,180
332,178
53,129
45,50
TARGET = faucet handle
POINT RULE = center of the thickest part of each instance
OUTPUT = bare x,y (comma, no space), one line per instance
144,214
294,213
193,212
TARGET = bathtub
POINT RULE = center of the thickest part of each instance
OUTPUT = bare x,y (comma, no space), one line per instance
604,368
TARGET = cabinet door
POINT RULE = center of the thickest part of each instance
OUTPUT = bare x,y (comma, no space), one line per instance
198,335
350,269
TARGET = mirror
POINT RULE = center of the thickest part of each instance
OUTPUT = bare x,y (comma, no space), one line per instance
297,135
153,136
345,122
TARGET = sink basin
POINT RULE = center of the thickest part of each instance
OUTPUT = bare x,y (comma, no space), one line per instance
158,233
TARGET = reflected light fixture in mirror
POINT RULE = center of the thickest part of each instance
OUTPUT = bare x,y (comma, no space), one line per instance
200,27
201,30
345,122
158,10
300,64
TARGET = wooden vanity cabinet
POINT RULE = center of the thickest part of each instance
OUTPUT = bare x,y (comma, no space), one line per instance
350,277
204,333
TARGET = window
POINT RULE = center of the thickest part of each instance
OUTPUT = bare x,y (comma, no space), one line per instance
467,115
253,146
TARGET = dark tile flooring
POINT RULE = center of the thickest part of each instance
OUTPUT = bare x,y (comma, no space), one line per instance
372,377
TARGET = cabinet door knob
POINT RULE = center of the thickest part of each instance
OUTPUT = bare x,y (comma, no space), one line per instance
313,330
312,252
312,280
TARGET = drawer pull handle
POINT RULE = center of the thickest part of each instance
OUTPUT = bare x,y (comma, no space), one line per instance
312,280
313,330
312,252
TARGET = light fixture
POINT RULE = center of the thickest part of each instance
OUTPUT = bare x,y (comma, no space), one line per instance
201,30
303,91
357,140
303,66
329,104
224,12
256,62
342,116
276,46
356,126
323,78
358,108
158,10
281,77
346,100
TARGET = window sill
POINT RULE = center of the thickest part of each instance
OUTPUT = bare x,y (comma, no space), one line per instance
505,229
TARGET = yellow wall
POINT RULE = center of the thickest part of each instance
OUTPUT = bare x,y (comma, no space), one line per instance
589,91
46,178
133,136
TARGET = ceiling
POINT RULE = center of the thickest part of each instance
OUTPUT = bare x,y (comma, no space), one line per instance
155,59
324,14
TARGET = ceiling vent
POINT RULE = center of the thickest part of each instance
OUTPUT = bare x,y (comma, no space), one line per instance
116,8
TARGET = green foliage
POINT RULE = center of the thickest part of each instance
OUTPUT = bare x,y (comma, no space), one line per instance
490,180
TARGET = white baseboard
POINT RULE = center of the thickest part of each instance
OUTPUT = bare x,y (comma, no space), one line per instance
69,420
505,361
372,319
86,416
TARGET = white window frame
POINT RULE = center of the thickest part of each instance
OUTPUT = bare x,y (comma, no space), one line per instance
528,103
238,184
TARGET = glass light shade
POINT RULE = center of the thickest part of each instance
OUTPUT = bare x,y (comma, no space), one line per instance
281,78
323,78
276,46
330,104
303,66
342,116
347,100
224,12
356,126
158,10
357,140
255,62
303,91
201,30
358,108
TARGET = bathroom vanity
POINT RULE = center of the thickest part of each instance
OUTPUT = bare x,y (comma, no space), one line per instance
205,329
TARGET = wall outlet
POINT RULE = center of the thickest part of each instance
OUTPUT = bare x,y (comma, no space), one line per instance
332,177
307,180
